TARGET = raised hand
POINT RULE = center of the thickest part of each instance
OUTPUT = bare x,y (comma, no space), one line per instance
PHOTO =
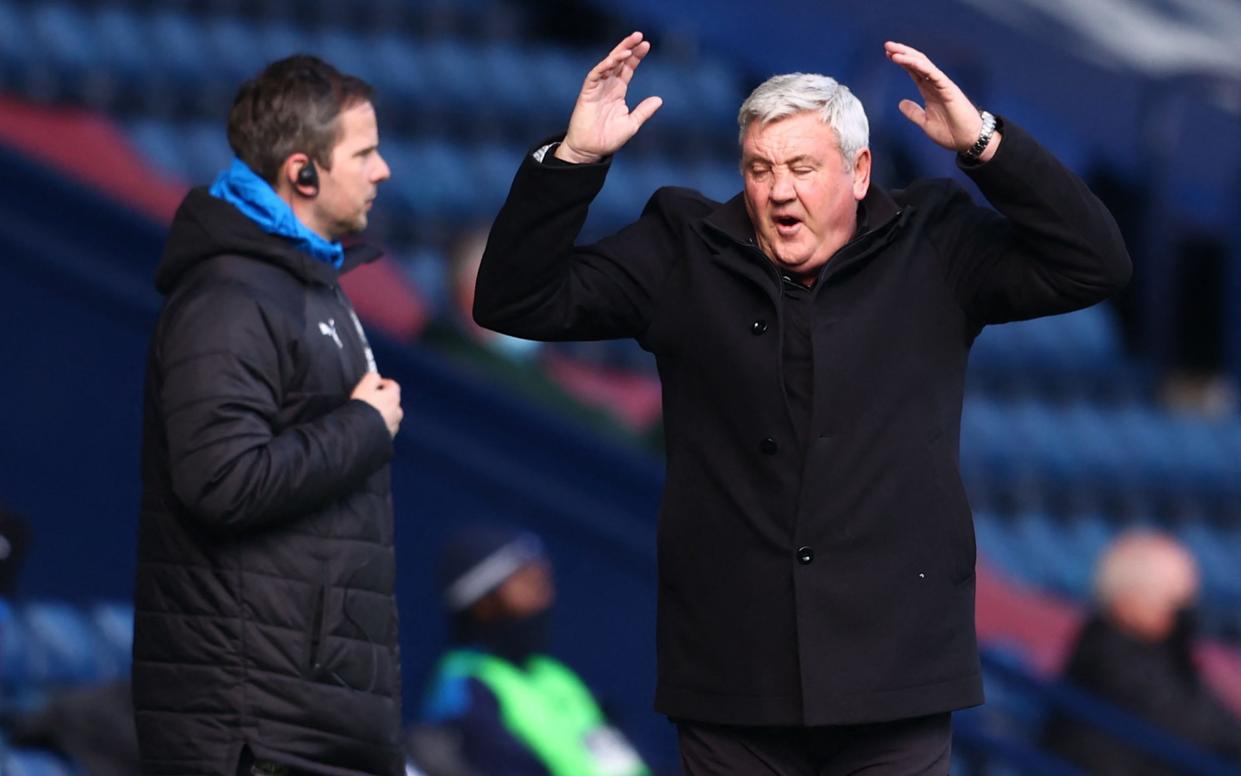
948,118
601,122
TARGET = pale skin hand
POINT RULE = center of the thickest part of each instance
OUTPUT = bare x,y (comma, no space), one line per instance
948,118
601,122
382,394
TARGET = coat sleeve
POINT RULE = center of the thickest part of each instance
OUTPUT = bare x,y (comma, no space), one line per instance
535,284
1052,248
220,392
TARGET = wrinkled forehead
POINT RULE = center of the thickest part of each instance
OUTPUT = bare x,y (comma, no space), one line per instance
804,133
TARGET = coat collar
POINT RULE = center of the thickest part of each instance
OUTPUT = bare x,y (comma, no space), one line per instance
878,213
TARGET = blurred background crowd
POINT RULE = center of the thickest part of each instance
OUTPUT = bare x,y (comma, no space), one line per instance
1088,440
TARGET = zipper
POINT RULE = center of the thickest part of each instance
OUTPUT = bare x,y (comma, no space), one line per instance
371,366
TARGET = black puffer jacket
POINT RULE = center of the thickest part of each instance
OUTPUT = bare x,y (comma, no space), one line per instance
265,607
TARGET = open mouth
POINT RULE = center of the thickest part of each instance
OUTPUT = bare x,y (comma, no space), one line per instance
786,224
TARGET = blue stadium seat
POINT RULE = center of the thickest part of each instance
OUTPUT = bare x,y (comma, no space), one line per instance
351,54
162,145
177,43
452,70
122,41
16,43
1216,558
12,649
999,546
1078,347
63,647
1053,565
64,33
34,762
114,622
398,71
206,150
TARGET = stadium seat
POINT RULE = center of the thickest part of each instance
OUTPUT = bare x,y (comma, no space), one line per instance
33,762
63,648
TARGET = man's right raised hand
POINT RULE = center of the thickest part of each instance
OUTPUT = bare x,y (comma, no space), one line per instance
601,122
382,394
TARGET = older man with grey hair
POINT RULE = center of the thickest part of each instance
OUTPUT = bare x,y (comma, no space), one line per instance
1136,651
816,549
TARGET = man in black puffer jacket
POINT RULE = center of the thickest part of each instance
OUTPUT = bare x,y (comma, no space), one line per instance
265,638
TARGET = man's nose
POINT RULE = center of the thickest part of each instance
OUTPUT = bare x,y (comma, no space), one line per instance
382,172
781,187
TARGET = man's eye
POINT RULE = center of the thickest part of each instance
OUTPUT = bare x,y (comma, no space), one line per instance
802,170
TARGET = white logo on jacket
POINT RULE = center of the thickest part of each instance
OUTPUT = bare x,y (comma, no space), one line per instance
329,330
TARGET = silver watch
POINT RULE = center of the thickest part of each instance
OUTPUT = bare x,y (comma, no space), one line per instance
984,137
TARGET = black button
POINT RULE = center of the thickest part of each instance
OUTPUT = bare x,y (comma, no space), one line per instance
769,446
759,327
805,555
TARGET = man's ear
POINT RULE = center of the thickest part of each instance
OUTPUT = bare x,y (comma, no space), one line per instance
861,174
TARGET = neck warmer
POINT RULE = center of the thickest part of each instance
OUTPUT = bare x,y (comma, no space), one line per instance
257,200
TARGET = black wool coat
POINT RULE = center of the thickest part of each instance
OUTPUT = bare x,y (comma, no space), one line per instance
265,612
832,584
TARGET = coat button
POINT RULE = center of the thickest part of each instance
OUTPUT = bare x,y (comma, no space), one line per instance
805,555
759,327
769,446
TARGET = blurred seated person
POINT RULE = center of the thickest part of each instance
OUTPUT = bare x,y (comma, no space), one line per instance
571,379
1136,651
514,710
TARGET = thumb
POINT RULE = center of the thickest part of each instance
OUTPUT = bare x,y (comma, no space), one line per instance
368,381
914,112
645,110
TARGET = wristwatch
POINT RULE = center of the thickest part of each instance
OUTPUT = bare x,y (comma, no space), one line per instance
984,137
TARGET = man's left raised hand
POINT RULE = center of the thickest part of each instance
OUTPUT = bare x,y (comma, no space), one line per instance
948,118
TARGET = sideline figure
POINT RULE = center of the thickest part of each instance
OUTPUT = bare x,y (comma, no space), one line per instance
816,549
265,635
510,707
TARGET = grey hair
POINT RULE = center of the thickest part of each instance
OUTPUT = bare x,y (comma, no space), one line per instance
782,96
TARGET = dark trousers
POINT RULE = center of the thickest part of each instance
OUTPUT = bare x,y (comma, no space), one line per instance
909,747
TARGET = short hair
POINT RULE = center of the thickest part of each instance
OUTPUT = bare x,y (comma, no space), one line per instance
782,96
292,106
1147,564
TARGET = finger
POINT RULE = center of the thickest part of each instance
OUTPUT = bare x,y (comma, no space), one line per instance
630,64
615,57
914,62
914,112
369,380
645,110
894,47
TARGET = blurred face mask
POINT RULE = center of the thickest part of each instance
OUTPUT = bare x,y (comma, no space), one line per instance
515,639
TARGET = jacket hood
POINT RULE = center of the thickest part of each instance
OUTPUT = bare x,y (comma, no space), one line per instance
205,226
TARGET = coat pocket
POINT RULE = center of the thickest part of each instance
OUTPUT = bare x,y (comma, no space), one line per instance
316,626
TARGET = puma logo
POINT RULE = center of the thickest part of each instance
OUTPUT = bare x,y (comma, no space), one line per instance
329,330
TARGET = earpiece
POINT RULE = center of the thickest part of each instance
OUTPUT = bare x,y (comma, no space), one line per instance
308,176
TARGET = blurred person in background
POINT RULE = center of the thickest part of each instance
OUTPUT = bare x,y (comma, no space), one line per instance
511,709
816,551
1136,651
265,637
